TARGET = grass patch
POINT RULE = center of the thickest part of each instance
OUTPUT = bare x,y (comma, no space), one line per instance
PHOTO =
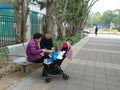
84,35
1,76
3,53
2,62
15,68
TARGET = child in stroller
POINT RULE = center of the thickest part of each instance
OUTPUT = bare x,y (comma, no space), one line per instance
52,64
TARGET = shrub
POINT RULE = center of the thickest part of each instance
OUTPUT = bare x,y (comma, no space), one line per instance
15,68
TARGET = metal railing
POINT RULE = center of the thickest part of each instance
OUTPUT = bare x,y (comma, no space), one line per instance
8,26
7,29
35,24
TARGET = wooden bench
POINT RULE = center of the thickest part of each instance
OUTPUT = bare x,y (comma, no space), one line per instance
17,55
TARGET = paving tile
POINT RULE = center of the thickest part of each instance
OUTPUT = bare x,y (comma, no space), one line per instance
52,88
71,87
111,73
114,82
89,70
100,68
113,87
100,71
90,79
85,88
111,77
89,74
80,68
87,84
101,86
100,80
76,75
59,84
100,75
74,81
75,71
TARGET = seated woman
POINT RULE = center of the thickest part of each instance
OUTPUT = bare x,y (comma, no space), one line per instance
33,51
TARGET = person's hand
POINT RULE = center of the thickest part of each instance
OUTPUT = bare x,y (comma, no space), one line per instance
50,55
52,50
42,54
44,50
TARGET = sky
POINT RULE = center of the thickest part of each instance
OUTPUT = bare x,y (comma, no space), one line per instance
104,5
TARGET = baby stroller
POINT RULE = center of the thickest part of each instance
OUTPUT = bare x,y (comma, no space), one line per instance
54,67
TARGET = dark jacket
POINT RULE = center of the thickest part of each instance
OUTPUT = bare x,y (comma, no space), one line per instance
33,51
46,43
96,29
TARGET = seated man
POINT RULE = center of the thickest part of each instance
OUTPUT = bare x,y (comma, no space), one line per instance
46,42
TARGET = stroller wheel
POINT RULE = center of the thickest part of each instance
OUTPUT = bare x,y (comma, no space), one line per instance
47,79
65,76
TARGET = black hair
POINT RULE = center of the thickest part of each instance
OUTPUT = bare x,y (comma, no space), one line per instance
37,36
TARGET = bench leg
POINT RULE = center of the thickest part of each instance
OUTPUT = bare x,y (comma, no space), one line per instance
24,68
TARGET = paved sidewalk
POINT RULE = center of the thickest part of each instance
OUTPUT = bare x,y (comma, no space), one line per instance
95,66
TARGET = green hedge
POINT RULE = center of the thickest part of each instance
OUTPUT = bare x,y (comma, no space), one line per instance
59,42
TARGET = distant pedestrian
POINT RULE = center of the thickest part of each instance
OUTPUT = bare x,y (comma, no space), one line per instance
96,30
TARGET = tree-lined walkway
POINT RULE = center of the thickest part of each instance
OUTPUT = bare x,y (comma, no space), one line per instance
95,66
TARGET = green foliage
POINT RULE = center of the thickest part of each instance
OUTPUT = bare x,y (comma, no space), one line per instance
85,35
77,10
3,53
59,42
1,76
7,2
94,19
1,64
111,16
15,68
97,18
116,19
106,18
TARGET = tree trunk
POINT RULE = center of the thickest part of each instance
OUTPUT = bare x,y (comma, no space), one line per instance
60,29
25,12
71,31
21,13
48,21
50,4
23,24
18,22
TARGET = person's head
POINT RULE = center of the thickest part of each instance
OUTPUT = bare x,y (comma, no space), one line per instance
54,48
37,37
48,36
